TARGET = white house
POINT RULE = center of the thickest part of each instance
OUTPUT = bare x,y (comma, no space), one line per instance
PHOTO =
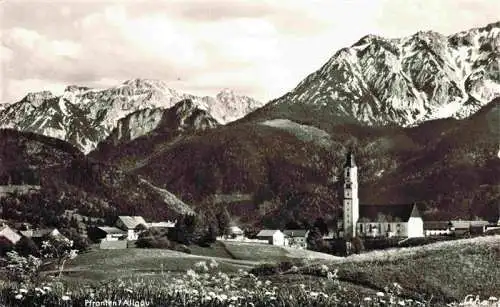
112,233
437,228
274,237
164,224
375,220
236,233
133,225
8,235
296,237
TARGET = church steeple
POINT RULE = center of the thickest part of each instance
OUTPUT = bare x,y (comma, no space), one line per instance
350,196
350,162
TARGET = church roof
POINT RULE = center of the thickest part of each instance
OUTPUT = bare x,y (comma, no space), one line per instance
389,213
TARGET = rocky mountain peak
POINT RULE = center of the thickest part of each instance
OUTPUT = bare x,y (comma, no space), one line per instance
37,98
86,116
406,81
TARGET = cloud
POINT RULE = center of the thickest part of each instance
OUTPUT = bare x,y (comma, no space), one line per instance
260,48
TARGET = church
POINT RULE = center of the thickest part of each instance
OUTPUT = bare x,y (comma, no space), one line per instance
374,221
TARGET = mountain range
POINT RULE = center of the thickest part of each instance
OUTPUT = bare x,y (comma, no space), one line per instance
84,116
404,81
421,113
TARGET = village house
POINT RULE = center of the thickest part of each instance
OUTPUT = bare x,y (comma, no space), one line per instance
296,238
132,225
464,227
111,233
235,233
8,236
274,237
162,225
41,234
437,228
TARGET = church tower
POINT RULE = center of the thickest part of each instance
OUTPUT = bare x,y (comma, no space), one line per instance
350,197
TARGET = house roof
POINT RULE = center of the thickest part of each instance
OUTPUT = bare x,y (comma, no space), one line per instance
295,232
132,221
168,224
389,213
9,234
436,225
111,230
267,232
466,224
38,233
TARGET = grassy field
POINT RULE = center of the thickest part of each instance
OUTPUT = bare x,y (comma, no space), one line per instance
271,253
444,271
98,265
435,274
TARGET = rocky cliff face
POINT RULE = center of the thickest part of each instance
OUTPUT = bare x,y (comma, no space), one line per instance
406,81
85,116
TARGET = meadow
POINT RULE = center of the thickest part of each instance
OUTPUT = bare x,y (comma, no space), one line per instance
441,274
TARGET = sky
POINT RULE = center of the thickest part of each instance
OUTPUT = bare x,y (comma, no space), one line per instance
259,48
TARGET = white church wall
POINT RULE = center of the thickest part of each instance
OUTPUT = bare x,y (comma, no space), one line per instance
415,227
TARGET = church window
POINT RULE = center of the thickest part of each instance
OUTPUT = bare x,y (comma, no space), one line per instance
371,228
348,185
360,227
389,227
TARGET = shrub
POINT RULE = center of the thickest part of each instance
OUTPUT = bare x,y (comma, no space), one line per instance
26,246
153,242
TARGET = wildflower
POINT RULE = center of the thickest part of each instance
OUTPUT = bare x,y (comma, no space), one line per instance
267,283
313,294
222,297
65,298
18,297
380,294
324,268
492,299
23,290
367,299
401,303
129,291
294,269
213,264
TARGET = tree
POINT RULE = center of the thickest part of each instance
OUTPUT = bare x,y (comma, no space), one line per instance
321,225
315,240
22,269
223,221
60,249
25,247
357,245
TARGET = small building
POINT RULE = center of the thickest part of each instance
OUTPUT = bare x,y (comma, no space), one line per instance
437,228
41,234
235,232
465,227
8,236
111,233
133,225
296,237
163,225
272,236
